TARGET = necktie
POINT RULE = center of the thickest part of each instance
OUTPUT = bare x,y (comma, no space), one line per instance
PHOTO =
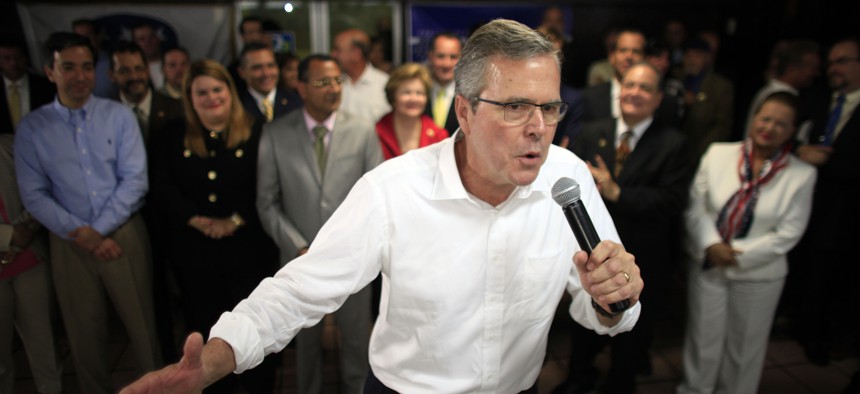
14,105
835,114
440,112
142,122
269,110
319,146
622,152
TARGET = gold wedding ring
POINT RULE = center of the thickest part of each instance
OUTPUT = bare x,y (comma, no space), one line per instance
626,277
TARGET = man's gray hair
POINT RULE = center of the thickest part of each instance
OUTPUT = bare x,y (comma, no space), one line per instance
501,37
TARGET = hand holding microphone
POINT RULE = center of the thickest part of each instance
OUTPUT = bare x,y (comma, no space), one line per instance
566,193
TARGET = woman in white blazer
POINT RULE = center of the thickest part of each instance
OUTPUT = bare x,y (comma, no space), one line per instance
749,205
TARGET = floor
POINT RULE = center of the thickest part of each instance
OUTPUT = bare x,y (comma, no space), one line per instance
786,370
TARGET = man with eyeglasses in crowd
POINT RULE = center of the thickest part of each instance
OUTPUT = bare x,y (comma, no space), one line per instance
308,162
468,318
827,246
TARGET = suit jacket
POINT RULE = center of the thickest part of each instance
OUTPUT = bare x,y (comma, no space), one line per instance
42,92
596,104
654,186
294,199
709,119
163,111
780,214
285,102
838,183
451,123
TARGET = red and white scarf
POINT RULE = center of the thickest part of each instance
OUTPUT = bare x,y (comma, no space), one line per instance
737,215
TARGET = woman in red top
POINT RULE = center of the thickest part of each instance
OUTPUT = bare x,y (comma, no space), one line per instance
406,127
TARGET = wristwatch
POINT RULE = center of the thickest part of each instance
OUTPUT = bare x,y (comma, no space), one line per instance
604,312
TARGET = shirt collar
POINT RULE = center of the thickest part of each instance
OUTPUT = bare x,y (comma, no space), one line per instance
310,122
258,98
66,113
21,82
637,129
448,185
363,78
144,104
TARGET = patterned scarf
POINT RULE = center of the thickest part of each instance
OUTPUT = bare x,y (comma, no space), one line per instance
736,217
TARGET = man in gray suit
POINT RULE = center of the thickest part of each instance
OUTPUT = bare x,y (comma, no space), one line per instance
308,162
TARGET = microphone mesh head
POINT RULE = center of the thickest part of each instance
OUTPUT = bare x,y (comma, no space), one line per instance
565,191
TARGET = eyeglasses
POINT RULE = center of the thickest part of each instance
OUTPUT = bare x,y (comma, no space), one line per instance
518,113
321,83
842,61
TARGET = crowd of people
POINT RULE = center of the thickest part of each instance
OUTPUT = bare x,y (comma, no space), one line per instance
265,194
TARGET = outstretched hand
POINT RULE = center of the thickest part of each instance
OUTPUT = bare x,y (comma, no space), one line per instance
186,376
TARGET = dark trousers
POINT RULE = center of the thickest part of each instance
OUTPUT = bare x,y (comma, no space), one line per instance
372,385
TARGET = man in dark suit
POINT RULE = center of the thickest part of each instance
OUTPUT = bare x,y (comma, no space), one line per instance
601,101
445,49
129,71
642,172
24,91
826,249
708,98
262,98
250,30
300,183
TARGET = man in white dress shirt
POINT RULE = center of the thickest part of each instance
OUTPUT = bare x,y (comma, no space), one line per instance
364,88
472,318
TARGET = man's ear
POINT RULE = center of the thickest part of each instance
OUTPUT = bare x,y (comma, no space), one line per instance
462,108
49,74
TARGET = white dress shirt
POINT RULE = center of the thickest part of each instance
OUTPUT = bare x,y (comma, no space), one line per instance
366,96
472,316
781,213
156,76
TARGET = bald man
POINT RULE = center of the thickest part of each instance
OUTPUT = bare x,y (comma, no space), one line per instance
364,85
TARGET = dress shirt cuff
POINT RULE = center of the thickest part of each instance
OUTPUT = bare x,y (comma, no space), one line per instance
628,320
239,331
5,236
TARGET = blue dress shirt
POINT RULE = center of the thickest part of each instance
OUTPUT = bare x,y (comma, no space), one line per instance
81,167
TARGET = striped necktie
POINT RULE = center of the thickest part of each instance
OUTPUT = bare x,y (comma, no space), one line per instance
622,152
269,110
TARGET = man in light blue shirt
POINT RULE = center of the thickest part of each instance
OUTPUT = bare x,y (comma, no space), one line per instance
81,168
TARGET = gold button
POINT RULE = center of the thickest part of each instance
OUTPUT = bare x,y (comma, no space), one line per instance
213,134
430,133
240,153
186,153
211,153
213,197
212,175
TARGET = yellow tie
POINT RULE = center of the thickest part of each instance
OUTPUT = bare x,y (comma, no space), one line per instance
14,105
440,110
270,111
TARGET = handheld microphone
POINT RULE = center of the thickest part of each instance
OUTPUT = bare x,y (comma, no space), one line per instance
566,193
